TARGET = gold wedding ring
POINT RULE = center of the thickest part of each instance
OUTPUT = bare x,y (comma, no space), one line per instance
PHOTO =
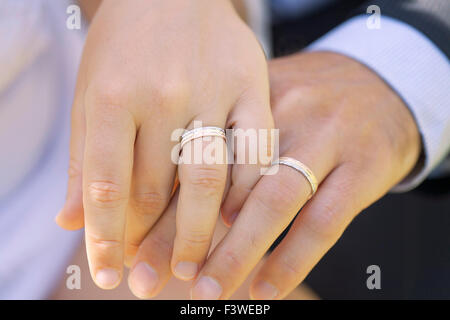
202,132
303,169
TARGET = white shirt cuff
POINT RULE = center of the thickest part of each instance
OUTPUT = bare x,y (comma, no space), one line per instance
414,67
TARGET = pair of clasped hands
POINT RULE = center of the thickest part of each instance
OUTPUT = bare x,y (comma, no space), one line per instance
152,67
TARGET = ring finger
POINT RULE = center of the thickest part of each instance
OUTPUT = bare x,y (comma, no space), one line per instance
313,233
202,173
270,208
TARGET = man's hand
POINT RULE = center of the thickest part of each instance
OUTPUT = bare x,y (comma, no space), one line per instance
342,121
150,67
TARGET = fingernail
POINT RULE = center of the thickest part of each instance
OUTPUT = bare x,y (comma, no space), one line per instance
143,280
264,291
185,270
107,278
206,289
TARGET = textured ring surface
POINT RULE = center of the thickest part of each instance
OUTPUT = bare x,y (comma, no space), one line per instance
202,132
302,168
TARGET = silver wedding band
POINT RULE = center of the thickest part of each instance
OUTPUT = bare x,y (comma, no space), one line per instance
202,132
302,168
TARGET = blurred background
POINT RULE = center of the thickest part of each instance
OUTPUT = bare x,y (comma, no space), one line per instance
407,235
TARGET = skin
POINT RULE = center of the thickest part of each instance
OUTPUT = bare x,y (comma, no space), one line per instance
131,95
335,115
357,136
89,8
174,289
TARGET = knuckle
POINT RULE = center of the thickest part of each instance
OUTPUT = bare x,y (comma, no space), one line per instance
279,198
105,194
194,239
103,245
159,243
323,223
288,194
74,170
207,178
270,211
108,93
300,93
148,202
132,248
270,208
291,268
232,262
172,93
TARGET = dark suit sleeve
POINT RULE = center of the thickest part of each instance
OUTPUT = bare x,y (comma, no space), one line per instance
431,17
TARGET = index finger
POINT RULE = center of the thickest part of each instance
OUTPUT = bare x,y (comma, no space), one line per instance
107,172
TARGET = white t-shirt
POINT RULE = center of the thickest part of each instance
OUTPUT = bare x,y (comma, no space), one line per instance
39,58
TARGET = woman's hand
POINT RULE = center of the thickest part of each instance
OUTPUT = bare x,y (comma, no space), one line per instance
150,67
341,120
